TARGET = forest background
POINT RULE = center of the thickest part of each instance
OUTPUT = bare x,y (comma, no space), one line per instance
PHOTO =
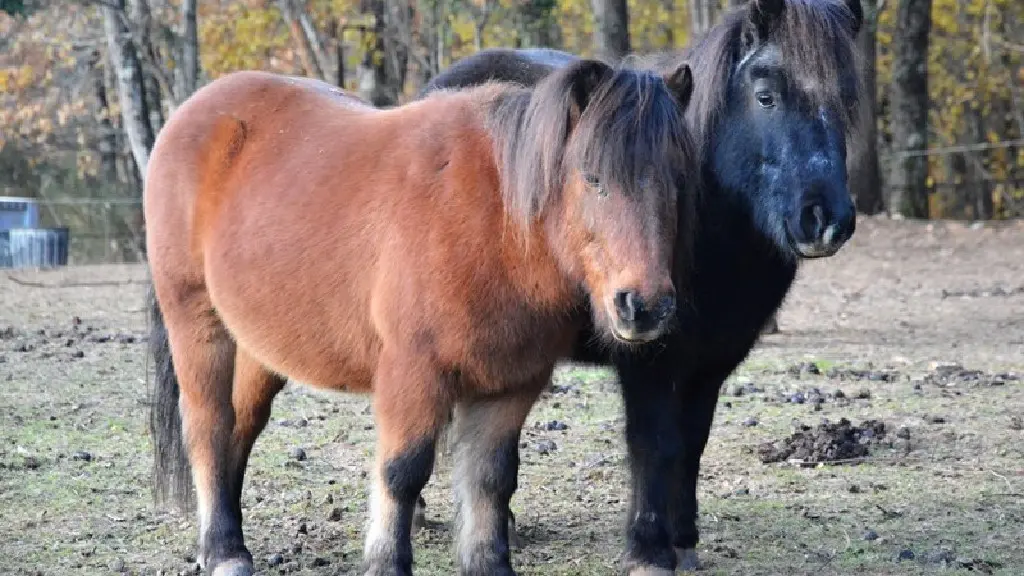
85,85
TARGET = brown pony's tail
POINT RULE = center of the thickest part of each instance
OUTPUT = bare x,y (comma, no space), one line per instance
172,475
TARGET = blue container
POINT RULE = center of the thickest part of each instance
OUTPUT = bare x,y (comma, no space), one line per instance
5,249
18,212
38,247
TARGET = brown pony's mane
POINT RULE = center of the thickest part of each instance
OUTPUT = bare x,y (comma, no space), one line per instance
627,127
818,51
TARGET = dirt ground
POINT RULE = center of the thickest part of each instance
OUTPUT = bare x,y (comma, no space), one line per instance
916,328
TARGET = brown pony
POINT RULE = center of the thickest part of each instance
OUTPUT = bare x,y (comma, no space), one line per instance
435,255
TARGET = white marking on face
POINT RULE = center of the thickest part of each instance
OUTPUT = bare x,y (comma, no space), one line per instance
829,235
819,160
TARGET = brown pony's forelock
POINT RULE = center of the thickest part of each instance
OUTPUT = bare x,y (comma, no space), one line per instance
630,124
818,51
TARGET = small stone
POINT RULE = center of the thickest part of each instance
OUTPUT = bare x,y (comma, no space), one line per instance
940,556
82,455
906,554
335,515
903,433
275,560
750,421
870,535
117,565
298,454
319,562
546,446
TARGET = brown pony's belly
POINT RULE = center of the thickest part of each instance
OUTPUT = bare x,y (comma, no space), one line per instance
514,350
298,315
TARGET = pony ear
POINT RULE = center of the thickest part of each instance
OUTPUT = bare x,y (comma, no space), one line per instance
858,15
764,14
680,83
584,76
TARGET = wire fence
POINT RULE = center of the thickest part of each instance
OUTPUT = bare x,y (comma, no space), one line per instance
111,230
101,230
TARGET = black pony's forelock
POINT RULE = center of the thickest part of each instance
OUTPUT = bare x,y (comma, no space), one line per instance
817,43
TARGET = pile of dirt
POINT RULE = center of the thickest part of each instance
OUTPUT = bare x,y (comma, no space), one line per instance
953,374
827,442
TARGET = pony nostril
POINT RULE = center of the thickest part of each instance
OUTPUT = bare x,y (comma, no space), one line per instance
813,221
627,305
666,307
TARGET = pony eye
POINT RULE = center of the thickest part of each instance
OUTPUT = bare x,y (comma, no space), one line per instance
765,99
595,183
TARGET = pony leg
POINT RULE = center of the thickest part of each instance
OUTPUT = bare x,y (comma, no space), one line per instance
654,445
225,399
486,468
410,408
697,400
204,357
252,394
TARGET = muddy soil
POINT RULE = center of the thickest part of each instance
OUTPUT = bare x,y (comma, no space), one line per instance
919,327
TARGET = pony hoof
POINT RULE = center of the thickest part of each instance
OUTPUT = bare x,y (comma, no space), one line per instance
687,560
233,567
651,571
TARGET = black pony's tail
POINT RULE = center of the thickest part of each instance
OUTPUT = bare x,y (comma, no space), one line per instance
172,475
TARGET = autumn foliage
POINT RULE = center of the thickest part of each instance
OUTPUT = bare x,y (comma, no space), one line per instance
60,112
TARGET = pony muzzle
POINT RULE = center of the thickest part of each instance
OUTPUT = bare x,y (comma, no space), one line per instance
636,319
822,232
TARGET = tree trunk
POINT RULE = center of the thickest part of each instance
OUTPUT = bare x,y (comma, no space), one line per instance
611,29
188,71
865,173
303,35
703,14
979,194
154,101
538,23
335,36
107,141
131,89
372,72
909,196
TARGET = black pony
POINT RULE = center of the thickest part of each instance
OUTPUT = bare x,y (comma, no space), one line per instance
775,93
